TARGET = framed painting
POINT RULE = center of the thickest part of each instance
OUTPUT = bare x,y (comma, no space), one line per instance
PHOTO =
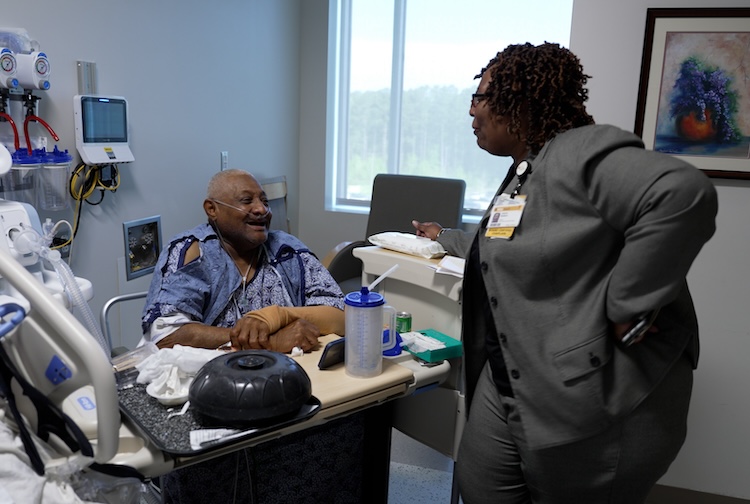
142,245
694,96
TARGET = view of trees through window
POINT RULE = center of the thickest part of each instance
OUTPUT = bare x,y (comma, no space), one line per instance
418,122
436,139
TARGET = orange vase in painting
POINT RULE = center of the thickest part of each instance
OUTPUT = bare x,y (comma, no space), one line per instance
692,128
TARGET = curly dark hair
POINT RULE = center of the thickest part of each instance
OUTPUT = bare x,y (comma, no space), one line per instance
541,86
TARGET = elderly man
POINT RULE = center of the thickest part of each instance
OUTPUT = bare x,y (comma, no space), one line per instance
232,282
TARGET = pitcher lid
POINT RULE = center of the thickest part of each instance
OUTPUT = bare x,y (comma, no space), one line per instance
364,298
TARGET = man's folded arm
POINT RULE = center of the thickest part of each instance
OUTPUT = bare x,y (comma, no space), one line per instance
328,319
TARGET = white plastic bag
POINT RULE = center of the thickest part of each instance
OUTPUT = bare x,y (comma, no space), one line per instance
408,244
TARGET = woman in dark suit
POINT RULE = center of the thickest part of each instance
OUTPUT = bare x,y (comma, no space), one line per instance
588,234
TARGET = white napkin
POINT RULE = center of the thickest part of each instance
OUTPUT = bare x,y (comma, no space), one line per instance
170,371
202,438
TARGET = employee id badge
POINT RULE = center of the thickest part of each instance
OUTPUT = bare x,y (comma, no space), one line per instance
506,216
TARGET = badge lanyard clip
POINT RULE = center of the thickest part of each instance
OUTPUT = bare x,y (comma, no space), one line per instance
522,171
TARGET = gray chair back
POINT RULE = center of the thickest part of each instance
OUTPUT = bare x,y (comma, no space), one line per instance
396,201
399,199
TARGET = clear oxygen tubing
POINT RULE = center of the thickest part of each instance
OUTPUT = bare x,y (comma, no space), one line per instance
29,240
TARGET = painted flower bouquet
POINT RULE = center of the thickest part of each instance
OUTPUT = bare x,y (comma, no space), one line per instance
704,105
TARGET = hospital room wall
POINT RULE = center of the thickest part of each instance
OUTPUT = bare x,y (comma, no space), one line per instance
608,36
200,78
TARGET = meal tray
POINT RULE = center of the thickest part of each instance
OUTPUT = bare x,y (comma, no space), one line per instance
172,435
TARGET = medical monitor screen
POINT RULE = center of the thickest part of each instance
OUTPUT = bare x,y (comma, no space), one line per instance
104,120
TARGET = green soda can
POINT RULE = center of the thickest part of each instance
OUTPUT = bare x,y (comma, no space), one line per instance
403,322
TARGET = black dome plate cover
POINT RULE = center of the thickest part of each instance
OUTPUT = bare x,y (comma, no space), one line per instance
249,388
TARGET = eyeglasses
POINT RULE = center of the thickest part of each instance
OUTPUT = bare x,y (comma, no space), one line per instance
477,97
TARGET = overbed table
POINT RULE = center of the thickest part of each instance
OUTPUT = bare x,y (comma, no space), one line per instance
339,395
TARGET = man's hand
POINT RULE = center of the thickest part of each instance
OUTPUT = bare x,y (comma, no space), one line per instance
300,333
250,333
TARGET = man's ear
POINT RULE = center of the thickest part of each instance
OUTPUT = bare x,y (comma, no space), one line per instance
209,206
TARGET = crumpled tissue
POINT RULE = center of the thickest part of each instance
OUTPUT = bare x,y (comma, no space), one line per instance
169,372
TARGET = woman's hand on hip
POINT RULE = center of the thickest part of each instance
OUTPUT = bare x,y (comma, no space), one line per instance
621,329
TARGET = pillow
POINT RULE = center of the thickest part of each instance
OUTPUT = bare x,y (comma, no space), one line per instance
408,244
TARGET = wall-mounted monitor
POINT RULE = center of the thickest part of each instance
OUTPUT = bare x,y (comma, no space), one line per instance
101,124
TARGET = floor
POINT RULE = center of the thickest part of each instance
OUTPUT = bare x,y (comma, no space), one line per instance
419,474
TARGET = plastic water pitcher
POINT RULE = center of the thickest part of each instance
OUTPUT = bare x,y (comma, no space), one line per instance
364,314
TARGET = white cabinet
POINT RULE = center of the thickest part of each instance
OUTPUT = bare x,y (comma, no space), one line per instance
433,415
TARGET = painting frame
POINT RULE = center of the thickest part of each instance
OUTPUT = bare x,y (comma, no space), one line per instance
659,23
142,245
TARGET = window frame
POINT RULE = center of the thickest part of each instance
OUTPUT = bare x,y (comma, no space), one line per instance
338,103
342,12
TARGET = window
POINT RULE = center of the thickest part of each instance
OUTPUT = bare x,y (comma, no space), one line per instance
404,78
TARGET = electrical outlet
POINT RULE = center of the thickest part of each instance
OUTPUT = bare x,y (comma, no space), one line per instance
224,160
